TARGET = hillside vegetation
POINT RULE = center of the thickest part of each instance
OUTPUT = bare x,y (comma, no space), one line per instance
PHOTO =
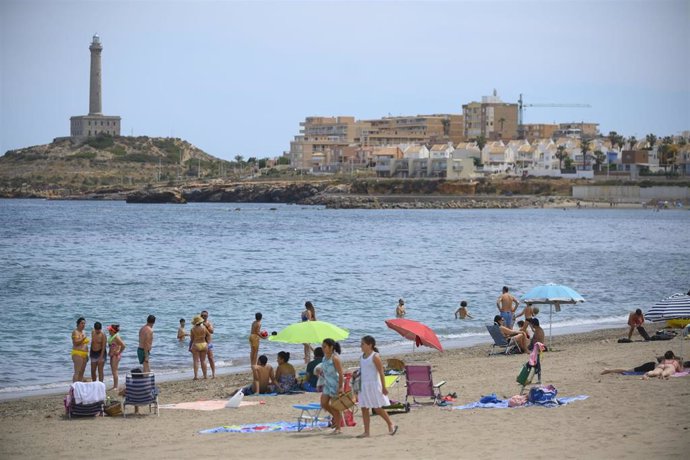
111,162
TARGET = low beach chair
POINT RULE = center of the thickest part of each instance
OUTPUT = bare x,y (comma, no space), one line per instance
421,384
85,399
310,415
140,390
506,346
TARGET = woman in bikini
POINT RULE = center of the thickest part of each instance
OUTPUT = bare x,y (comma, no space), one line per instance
309,314
285,375
97,353
116,347
666,368
80,353
199,337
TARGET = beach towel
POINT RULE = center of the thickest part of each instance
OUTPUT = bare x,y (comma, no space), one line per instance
88,392
270,427
495,403
211,404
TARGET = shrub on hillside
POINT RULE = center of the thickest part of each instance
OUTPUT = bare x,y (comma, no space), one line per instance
101,142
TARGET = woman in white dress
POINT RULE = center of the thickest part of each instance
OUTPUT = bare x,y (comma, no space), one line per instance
373,394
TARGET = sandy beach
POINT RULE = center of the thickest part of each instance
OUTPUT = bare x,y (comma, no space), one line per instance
624,416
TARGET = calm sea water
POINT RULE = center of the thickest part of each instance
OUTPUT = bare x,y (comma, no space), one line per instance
114,262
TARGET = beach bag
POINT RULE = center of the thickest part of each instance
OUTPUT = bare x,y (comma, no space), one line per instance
523,377
236,399
343,401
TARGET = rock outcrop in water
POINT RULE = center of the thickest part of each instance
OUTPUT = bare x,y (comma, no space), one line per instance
165,196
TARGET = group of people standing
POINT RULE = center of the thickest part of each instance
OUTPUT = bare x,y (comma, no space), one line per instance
111,346
507,306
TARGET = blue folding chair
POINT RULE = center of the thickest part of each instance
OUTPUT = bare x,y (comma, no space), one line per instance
140,390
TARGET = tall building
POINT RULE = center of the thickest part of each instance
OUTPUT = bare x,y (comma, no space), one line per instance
84,126
491,118
534,131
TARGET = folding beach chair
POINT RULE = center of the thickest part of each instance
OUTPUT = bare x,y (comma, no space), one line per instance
507,346
310,415
420,383
85,399
140,390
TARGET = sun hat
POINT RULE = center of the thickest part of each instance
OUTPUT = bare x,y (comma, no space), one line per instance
114,328
197,320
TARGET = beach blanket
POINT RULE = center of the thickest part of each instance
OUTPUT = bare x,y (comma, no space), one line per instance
270,427
677,374
492,402
211,404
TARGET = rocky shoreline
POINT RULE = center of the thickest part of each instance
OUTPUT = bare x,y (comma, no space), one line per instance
336,197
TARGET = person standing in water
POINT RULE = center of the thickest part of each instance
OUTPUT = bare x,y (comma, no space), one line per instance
462,312
146,343
97,353
181,333
199,337
116,347
400,310
309,314
80,354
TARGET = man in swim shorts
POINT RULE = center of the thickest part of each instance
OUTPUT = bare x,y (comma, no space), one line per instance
146,343
507,304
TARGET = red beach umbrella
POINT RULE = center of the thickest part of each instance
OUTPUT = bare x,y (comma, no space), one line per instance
419,333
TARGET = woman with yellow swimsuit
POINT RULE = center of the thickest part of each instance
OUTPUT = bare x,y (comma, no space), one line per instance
199,337
80,353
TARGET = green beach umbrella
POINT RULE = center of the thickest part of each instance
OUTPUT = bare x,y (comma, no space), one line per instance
310,332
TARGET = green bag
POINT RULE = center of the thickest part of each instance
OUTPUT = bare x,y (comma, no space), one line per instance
525,375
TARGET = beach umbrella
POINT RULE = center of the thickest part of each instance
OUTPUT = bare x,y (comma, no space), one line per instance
554,295
310,332
674,309
419,333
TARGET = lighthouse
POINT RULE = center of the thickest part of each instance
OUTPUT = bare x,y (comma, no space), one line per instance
95,123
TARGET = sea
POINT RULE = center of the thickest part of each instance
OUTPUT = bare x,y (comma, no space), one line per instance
114,262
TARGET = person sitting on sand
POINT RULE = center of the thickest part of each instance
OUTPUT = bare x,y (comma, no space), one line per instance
262,374
285,376
537,333
519,336
666,368
462,312
312,379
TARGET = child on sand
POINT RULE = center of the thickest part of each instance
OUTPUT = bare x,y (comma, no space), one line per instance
254,338
374,394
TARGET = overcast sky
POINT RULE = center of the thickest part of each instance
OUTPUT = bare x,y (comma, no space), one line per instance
238,77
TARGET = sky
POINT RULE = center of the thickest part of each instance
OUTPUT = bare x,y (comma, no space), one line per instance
237,78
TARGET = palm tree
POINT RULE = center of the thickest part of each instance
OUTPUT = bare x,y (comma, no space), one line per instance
651,139
585,147
633,141
561,154
599,158
481,142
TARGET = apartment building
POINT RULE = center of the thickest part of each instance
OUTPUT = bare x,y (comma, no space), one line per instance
419,129
491,118
321,139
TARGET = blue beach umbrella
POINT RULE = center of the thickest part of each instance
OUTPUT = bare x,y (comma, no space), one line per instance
552,294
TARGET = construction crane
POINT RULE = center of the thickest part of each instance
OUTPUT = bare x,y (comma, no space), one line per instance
521,105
